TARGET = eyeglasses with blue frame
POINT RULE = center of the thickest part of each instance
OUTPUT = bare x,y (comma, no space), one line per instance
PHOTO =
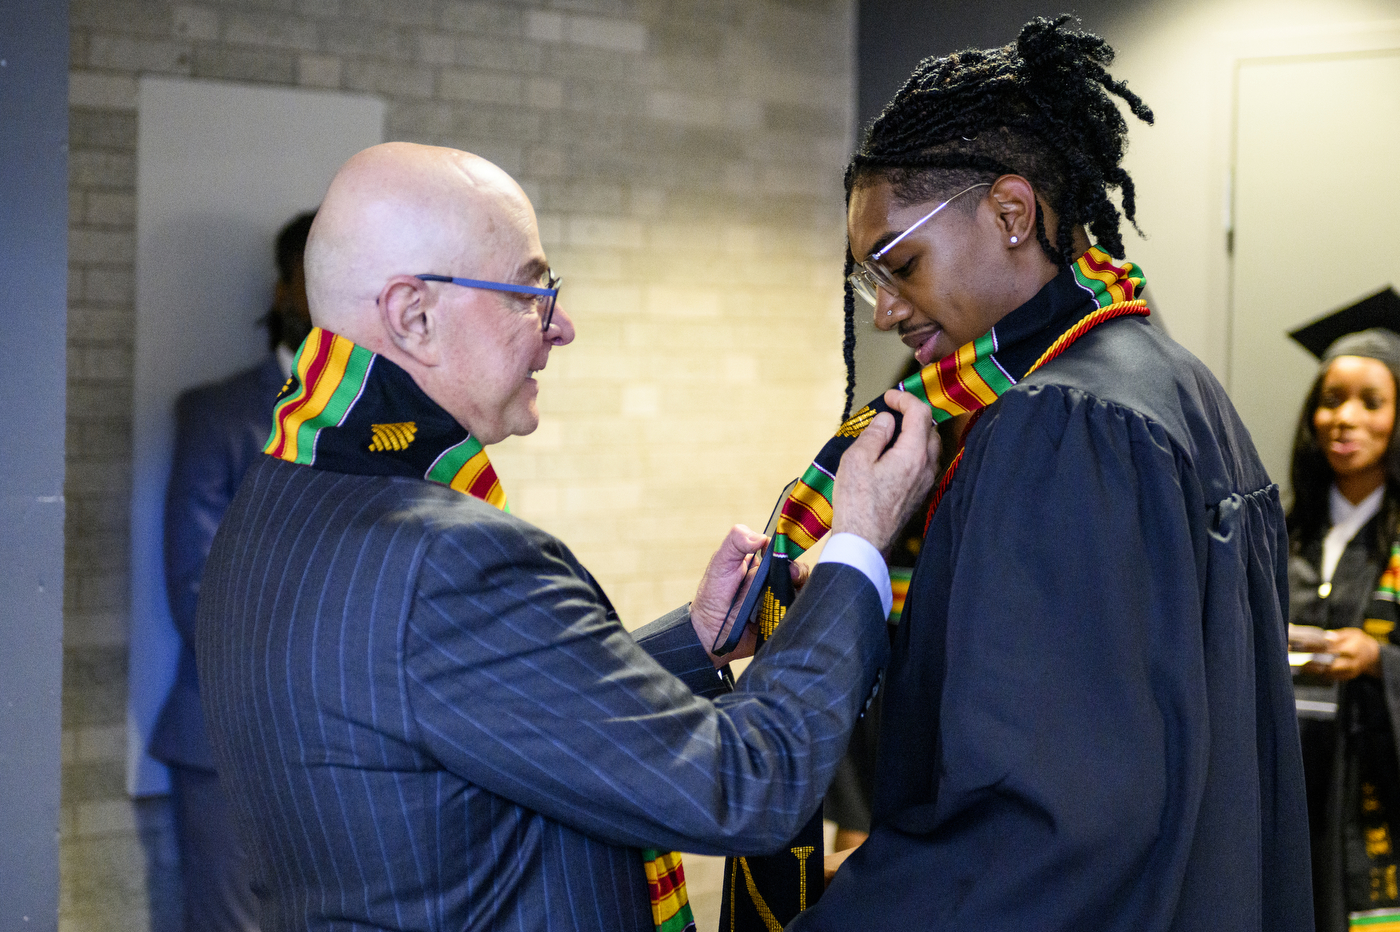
546,295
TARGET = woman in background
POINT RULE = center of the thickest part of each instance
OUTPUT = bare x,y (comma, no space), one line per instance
1342,533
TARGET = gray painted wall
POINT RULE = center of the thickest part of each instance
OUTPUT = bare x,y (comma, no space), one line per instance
33,288
895,35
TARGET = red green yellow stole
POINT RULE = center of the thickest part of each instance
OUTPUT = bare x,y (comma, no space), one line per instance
1383,612
347,409
1370,793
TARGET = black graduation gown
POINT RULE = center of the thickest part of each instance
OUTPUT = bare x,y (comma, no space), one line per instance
1088,721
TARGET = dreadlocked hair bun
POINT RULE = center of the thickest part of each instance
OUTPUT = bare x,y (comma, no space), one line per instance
1041,107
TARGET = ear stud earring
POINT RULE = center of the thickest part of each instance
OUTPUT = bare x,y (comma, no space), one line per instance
1015,240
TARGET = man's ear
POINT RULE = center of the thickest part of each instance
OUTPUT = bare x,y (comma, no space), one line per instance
409,314
1013,199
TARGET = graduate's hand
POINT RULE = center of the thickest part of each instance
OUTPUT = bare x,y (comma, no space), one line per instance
832,863
730,572
876,492
1356,653
1308,639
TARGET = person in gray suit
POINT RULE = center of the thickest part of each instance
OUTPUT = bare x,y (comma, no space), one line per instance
426,711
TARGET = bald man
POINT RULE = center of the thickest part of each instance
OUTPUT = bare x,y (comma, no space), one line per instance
426,710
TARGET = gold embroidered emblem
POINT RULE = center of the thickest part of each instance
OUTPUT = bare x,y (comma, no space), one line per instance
1377,841
765,915
1369,802
770,612
1384,885
858,422
802,853
391,436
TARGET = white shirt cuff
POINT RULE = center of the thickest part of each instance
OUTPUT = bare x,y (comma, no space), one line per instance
855,551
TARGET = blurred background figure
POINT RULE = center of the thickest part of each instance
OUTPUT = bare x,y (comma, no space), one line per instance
1343,530
219,428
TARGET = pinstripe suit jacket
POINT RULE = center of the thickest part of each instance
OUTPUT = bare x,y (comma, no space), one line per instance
428,716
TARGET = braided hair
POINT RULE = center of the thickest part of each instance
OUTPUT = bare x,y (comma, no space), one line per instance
1041,108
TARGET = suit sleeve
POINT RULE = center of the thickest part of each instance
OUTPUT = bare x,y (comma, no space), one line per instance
1072,717
199,491
671,642
522,682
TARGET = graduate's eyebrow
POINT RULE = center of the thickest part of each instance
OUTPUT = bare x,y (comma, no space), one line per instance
882,241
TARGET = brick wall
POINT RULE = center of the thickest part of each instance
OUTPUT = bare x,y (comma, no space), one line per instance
685,161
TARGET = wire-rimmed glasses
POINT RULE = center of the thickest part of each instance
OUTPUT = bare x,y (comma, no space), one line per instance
873,273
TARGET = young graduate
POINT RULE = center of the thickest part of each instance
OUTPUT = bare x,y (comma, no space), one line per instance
1342,574
1088,721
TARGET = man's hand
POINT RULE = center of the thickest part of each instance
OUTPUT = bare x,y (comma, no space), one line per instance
727,577
730,568
876,493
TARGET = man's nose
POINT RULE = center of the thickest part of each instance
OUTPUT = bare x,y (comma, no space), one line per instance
561,326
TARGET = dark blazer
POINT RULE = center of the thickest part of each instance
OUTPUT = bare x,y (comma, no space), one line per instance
1088,722
429,717
219,428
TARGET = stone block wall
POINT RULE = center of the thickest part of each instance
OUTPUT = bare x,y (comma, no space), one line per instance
684,159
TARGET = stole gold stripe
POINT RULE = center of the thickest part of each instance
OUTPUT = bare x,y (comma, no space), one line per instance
325,389
937,396
295,419
795,533
287,436
467,475
971,379
1109,277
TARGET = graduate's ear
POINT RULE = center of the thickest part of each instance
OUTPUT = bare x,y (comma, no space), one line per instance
1013,200
409,312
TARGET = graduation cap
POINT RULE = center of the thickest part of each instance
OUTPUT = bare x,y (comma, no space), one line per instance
1381,309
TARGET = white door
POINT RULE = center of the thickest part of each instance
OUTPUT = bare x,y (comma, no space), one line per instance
220,168
1317,199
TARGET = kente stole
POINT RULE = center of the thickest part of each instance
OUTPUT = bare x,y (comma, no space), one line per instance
346,409
1370,857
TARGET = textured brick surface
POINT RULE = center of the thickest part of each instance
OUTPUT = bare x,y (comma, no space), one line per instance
685,159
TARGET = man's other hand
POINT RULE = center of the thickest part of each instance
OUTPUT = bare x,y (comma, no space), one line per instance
877,492
732,567
731,571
